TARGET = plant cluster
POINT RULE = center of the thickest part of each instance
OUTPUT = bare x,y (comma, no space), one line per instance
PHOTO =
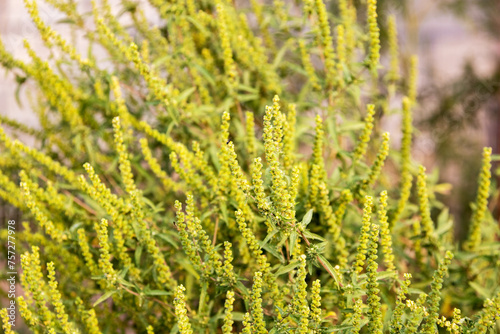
227,172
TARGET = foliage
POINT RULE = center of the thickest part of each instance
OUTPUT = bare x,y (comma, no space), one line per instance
168,194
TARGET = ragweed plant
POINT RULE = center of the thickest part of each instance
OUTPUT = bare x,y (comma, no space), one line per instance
219,173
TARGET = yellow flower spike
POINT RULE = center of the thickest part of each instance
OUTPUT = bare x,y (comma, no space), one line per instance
54,166
474,239
50,37
423,200
357,316
348,18
406,177
227,328
259,326
250,135
308,66
299,302
229,65
200,163
258,187
316,304
364,237
56,298
364,137
326,43
393,74
25,312
181,311
239,176
186,241
341,54
397,316
247,324
412,80
150,329
187,174
382,154
36,285
318,148
435,294
488,316
84,245
9,191
7,328
228,266
121,149
294,185
167,182
344,200
385,233
56,234
374,36
105,253
376,322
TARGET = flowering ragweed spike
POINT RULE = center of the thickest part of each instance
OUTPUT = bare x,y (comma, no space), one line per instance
481,201
376,323
25,312
356,317
227,328
374,35
326,42
406,177
258,186
88,318
488,316
435,294
150,330
186,241
53,231
316,304
259,326
397,315
364,238
228,268
423,200
167,182
56,298
125,168
341,54
378,164
247,323
229,65
105,258
33,276
181,311
250,134
364,137
385,233
7,328
308,66
393,73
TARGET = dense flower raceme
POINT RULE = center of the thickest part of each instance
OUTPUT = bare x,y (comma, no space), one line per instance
226,171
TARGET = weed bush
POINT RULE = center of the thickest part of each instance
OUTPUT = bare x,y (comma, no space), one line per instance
227,172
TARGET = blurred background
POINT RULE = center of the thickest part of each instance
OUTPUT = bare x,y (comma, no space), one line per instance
458,45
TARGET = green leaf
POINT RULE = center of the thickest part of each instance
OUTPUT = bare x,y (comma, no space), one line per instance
104,297
269,236
157,293
285,269
330,269
307,218
310,235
